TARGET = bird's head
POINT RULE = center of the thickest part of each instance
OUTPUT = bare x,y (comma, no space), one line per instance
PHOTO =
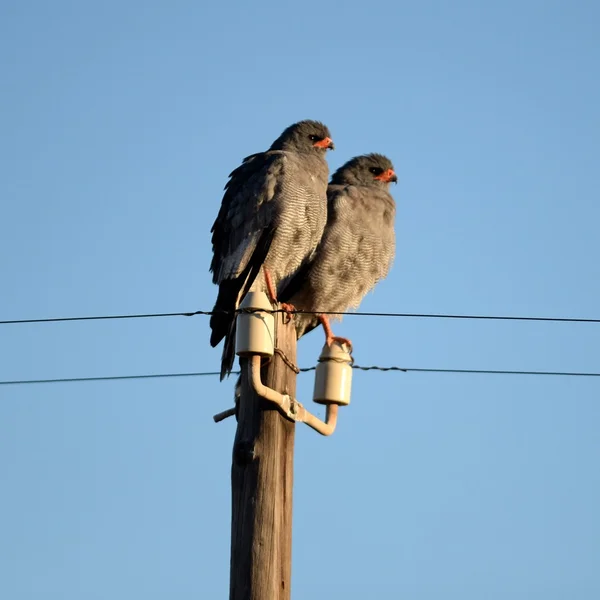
304,136
368,169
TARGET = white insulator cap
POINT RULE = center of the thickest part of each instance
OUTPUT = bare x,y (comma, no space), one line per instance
255,330
333,378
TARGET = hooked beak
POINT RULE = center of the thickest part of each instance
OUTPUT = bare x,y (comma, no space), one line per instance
325,143
388,176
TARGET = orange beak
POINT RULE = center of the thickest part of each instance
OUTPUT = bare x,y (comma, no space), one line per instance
388,176
325,143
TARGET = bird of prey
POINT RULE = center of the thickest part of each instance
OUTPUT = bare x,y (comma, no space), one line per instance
357,247
270,222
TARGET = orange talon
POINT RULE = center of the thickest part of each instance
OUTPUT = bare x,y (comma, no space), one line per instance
288,309
329,337
339,340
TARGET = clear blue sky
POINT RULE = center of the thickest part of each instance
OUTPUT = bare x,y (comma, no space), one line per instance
119,124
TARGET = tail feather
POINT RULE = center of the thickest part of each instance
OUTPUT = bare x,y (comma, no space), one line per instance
223,324
231,291
228,356
224,310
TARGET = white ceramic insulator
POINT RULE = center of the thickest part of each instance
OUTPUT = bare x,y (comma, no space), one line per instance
255,332
333,377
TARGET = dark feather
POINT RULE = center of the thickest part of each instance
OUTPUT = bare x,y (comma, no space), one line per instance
223,325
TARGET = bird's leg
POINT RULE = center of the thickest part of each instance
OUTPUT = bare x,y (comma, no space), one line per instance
288,309
329,337
270,287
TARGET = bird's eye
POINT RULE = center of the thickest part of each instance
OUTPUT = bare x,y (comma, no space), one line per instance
376,170
314,138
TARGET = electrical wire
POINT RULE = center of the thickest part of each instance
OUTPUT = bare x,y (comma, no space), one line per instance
305,370
306,312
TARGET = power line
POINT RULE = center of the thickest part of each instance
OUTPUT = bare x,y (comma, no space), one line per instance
110,378
481,371
103,318
306,312
307,369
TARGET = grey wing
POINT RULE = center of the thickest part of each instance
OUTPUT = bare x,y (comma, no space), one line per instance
247,215
241,238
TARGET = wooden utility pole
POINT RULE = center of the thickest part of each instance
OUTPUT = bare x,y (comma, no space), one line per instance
262,480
